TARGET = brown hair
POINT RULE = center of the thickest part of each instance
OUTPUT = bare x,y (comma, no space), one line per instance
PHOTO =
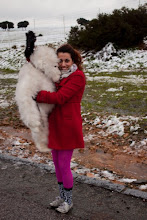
75,55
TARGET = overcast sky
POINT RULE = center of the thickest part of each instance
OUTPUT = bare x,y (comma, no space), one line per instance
57,10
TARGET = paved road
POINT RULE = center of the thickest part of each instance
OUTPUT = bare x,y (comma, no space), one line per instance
26,190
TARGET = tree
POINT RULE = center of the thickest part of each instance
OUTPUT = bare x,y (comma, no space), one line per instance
6,25
82,21
22,24
124,28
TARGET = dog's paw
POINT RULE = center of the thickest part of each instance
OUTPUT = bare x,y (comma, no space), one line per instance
42,148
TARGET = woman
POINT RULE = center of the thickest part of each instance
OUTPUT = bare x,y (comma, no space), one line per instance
65,122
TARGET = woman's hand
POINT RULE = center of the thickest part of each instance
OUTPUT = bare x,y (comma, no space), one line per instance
41,97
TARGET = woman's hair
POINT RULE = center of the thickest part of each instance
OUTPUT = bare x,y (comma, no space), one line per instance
75,55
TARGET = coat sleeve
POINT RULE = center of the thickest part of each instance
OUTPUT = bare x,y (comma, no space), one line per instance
70,88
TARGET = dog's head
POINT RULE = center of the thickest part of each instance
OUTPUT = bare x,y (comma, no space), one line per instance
30,43
45,59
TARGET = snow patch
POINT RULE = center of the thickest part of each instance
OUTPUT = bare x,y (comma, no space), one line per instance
89,137
9,76
114,89
110,60
143,187
126,180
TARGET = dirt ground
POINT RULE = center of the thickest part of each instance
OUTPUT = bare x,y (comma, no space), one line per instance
110,153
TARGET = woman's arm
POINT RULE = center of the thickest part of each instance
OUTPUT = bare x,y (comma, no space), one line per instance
69,89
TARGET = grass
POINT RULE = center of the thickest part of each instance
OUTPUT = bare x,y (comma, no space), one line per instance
7,71
131,99
7,83
119,74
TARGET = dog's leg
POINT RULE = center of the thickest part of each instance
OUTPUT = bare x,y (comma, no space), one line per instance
41,140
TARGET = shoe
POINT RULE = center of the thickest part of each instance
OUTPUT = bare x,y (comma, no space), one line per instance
64,207
57,202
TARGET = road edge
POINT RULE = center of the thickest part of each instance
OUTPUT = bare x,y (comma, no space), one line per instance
82,179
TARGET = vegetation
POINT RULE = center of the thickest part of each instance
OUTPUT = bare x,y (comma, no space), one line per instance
22,24
125,98
6,25
125,28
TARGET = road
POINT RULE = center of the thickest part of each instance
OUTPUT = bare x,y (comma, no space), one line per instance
26,190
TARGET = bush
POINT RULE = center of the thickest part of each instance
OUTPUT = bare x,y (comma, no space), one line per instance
125,28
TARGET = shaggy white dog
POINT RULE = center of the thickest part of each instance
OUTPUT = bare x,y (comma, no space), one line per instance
40,73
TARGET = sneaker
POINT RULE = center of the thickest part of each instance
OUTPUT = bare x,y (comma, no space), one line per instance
58,201
64,207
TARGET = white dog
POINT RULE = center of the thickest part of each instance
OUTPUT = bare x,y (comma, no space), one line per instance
40,73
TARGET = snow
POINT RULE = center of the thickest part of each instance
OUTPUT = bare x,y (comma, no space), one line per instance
140,145
126,180
89,137
96,121
116,125
143,187
108,175
12,57
3,103
9,76
134,128
20,148
109,60
12,45
17,36
113,124
114,89
136,79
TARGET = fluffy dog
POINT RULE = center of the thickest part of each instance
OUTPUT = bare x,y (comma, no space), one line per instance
39,73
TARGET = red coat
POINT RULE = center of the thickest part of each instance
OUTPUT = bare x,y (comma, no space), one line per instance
65,122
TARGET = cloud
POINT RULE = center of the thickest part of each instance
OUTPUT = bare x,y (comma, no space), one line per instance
56,9
46,8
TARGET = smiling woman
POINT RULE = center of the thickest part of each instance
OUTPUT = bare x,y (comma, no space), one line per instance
65,121
65,61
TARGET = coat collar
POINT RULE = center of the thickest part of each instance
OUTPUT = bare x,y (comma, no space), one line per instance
64,80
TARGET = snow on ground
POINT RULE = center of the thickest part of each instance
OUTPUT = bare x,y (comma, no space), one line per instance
143,187
12,57
19,149
128,79
112,124
9,76
12,44
117,125
109,60
17,37
3,103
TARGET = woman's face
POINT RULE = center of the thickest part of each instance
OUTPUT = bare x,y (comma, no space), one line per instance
65,61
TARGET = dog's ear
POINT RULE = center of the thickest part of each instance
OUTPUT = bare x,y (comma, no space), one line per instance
30,44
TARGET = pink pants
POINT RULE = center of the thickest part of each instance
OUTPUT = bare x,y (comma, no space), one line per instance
61,159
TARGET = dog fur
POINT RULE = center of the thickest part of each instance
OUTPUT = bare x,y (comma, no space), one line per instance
40,73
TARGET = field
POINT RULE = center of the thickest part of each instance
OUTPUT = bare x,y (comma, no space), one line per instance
117,93
114,116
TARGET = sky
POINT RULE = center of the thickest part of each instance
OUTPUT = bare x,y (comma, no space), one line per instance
54,12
